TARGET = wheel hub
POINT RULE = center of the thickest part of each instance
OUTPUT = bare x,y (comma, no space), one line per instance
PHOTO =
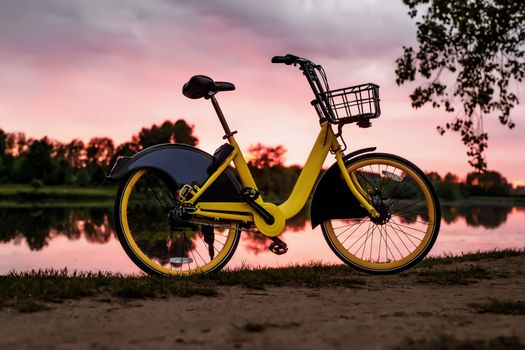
384,214
179,215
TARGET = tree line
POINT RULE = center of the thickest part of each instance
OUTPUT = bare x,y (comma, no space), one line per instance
47,162
486,183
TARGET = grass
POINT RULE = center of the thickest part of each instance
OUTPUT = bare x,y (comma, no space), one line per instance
500,307
311,275
57,203
472,257
26,192
29,291
24,291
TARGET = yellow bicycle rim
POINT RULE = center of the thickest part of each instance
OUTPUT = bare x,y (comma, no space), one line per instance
143,257
389,265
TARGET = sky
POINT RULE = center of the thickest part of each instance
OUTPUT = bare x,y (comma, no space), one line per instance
81,69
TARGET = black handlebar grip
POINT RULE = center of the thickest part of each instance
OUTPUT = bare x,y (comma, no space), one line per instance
288,59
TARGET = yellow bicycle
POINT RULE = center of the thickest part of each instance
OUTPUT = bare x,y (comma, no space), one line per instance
179,210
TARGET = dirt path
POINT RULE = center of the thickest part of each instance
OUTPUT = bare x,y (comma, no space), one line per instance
383,314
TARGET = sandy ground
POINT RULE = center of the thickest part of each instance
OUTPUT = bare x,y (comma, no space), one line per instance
382,314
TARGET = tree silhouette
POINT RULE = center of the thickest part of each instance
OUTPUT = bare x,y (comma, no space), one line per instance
167,132
15,143
266,156
273,179
479,47
4,166
39,157
183,133
23,159
488,183
75,153
2,144
100,150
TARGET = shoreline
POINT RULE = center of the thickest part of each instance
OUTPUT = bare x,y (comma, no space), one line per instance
471,301
22,192
45,285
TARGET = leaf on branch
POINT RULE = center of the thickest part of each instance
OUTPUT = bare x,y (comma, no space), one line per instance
481,44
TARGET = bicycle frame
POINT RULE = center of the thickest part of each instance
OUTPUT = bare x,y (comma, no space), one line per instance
326,141
180,211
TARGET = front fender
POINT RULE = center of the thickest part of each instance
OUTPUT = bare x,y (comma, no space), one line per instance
332,198
183,164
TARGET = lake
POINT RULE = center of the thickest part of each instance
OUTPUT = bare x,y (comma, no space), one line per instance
79,238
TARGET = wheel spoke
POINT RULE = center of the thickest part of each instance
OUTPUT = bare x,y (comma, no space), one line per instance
408,215
406,233
362,222
173,250
411,228
343,242
421,222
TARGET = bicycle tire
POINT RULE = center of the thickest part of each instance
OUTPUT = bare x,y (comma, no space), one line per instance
388,178
157,245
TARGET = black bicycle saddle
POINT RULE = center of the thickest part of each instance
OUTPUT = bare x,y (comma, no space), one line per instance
201,86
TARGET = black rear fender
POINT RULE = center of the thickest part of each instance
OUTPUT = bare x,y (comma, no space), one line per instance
332,198
182,164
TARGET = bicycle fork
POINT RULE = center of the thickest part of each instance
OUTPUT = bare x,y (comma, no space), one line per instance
354,185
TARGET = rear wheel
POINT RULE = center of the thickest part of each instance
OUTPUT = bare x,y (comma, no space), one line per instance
409,217
158,239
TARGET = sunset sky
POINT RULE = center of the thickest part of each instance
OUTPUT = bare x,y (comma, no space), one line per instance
79,69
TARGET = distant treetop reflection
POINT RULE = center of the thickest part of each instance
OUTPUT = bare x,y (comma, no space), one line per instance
489,217
38,226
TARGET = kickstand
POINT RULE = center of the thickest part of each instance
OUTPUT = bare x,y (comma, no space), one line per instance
278,246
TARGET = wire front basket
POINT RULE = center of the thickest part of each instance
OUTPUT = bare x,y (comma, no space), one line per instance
353,104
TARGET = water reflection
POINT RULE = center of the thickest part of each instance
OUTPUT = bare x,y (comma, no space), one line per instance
256,243
85,239
489,217
38,226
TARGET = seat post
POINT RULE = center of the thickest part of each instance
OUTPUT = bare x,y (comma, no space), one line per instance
221,117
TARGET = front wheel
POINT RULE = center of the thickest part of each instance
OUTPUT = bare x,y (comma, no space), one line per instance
409,219
160,242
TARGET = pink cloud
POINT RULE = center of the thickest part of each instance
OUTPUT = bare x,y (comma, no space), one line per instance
80,69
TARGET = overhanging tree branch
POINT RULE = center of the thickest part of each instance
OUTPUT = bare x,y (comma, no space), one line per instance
481,44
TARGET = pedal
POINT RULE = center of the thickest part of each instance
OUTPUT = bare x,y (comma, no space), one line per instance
278,246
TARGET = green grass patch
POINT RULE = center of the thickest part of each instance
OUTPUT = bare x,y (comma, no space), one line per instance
452,343
472,256
453,277
500,307
26,192
28,290
311,275
58,203
19,289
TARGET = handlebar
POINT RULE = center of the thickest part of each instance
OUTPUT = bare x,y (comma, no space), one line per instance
352,102
315,75
287,59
